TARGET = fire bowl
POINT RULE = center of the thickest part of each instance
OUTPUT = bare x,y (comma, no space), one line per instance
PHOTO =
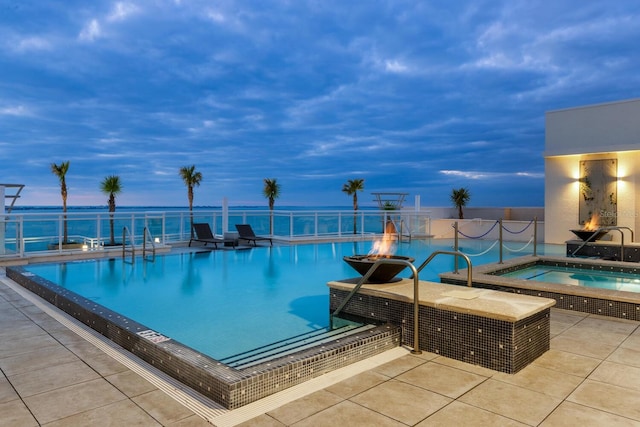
385,273
586,234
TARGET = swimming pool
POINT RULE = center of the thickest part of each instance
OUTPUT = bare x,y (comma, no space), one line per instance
185,312
619,281
595,286
223,303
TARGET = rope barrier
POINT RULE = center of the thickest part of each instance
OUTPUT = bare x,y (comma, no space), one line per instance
518,232
518,250
482,235
483,252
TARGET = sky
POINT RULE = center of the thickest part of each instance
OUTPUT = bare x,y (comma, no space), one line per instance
418,97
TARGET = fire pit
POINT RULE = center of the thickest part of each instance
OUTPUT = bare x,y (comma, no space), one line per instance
385,273
586,234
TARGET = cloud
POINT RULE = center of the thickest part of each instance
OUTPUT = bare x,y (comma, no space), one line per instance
479,175
90,31
122,11
18,111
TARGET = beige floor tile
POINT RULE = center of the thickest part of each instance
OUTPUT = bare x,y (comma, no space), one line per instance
192,421
617,330
305,407
348,414
64,402
561,320
399,366
617,374
162,407
460,414
20,328
7,392
609,398
52,377
14,347
262,421
401,401
525,406
569,363
625,356
104,364
122,413
130,383
464,366
572,414
586,334
585,346
37,359
357,384
442,379
543,380
425,355
632,342
84,349
15,413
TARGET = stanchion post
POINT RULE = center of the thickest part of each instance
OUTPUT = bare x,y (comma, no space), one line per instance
535,236
455,247
500,240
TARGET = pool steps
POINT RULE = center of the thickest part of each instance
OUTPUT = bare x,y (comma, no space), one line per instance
293,345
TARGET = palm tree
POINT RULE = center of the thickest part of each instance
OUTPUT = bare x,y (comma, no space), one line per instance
61,171
191,179
271,191
111,186
460,197
352,187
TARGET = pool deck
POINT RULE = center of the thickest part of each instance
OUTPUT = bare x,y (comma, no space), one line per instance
54,375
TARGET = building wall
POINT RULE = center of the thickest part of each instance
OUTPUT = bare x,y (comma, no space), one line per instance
606,131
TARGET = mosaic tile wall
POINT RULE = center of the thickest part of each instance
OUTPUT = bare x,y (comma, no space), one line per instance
605,306
230,387
604,251
495,344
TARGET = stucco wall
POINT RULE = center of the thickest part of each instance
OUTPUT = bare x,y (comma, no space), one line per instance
607,131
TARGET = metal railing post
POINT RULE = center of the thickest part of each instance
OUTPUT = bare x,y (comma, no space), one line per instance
500,239
455,246
535,236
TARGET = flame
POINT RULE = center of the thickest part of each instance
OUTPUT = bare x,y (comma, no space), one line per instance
387,245
593,223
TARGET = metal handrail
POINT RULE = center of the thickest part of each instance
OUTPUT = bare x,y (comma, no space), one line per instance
147,234
607,228
416,288
125,233
456,254
416,301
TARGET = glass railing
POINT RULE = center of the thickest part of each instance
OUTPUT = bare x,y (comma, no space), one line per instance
28,233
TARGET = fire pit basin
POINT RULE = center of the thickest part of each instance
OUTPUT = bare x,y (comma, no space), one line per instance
586,234
385,273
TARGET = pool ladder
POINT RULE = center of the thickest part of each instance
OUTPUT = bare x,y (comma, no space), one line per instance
416,288
131,248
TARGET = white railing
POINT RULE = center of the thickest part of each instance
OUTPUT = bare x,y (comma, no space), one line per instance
32,233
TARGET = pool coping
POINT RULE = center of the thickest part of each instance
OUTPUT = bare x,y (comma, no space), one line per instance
225,385
608,302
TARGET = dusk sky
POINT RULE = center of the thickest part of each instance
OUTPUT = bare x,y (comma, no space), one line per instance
411,96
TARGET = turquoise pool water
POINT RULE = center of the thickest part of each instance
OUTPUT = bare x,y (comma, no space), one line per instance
222,303
579,277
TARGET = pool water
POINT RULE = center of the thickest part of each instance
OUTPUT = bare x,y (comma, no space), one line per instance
223,303
579,277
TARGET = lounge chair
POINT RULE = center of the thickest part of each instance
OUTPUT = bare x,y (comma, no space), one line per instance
245,232
203,234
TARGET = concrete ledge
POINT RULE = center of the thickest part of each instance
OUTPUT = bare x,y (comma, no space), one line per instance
496,330
482,302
